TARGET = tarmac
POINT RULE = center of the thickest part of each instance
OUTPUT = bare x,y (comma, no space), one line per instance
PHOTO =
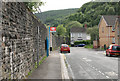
51,68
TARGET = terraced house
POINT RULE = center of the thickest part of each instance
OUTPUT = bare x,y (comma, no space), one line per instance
107,30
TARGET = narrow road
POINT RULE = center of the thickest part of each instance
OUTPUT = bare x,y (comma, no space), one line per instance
89,64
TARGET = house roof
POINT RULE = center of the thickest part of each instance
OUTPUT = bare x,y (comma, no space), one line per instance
77,29
110,19
117,20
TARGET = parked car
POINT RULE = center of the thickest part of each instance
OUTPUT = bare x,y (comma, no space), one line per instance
113,50
64,47
80,45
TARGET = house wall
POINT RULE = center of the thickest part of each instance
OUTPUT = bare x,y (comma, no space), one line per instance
105,34
75,37
116,32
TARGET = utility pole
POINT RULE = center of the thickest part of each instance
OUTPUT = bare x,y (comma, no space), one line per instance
38,46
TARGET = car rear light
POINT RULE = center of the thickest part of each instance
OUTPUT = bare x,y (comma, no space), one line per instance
110,51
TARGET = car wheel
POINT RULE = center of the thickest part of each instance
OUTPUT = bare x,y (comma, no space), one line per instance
109,55
60,51
117,55
106,54
68,51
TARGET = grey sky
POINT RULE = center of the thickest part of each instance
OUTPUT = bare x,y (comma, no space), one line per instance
62,4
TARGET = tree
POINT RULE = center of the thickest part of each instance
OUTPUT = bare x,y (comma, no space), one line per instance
34,5
111,11
60,30
94,33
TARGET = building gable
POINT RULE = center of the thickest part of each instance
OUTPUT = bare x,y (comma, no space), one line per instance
101,21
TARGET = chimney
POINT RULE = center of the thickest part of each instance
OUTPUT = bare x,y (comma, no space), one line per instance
85,26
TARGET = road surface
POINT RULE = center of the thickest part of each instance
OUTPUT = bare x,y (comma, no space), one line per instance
90,64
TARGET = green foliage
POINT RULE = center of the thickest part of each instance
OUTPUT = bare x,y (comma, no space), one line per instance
88,46
60,30
90,13
29,73
35,64
94,33
74,24
71,24
42,60
34,5
111,11
87,42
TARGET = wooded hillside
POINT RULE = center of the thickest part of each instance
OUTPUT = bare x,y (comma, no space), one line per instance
55,17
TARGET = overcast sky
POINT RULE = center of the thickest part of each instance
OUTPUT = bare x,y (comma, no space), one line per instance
62,4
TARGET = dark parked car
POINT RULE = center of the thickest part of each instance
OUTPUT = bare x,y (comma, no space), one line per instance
64,47
80,45
113,50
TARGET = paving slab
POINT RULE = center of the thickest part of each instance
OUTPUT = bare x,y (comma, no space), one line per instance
49,69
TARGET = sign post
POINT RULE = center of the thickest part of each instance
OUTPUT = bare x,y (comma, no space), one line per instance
51,29
47,46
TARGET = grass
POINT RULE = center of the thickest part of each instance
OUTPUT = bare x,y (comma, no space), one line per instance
29,73
35,64
69,45
42,60
89,46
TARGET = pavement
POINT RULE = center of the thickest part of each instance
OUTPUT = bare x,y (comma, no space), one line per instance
51,68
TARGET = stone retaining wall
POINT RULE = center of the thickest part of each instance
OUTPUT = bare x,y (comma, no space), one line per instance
23,40
57,41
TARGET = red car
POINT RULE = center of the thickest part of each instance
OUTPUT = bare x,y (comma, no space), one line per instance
113,50
65,47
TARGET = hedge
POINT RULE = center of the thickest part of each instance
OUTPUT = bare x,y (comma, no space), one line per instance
87,42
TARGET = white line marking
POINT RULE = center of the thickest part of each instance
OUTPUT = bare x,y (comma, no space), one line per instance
107,77
116,74
84,58
103,74
99,71
88,60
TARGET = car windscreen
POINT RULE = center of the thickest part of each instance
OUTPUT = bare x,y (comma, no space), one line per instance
65,46
117,48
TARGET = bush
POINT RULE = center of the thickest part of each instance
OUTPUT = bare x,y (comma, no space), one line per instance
87,42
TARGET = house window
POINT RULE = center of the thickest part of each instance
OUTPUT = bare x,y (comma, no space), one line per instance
72,40
102,29
117,31
71,34
113,28
80,35
113,40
